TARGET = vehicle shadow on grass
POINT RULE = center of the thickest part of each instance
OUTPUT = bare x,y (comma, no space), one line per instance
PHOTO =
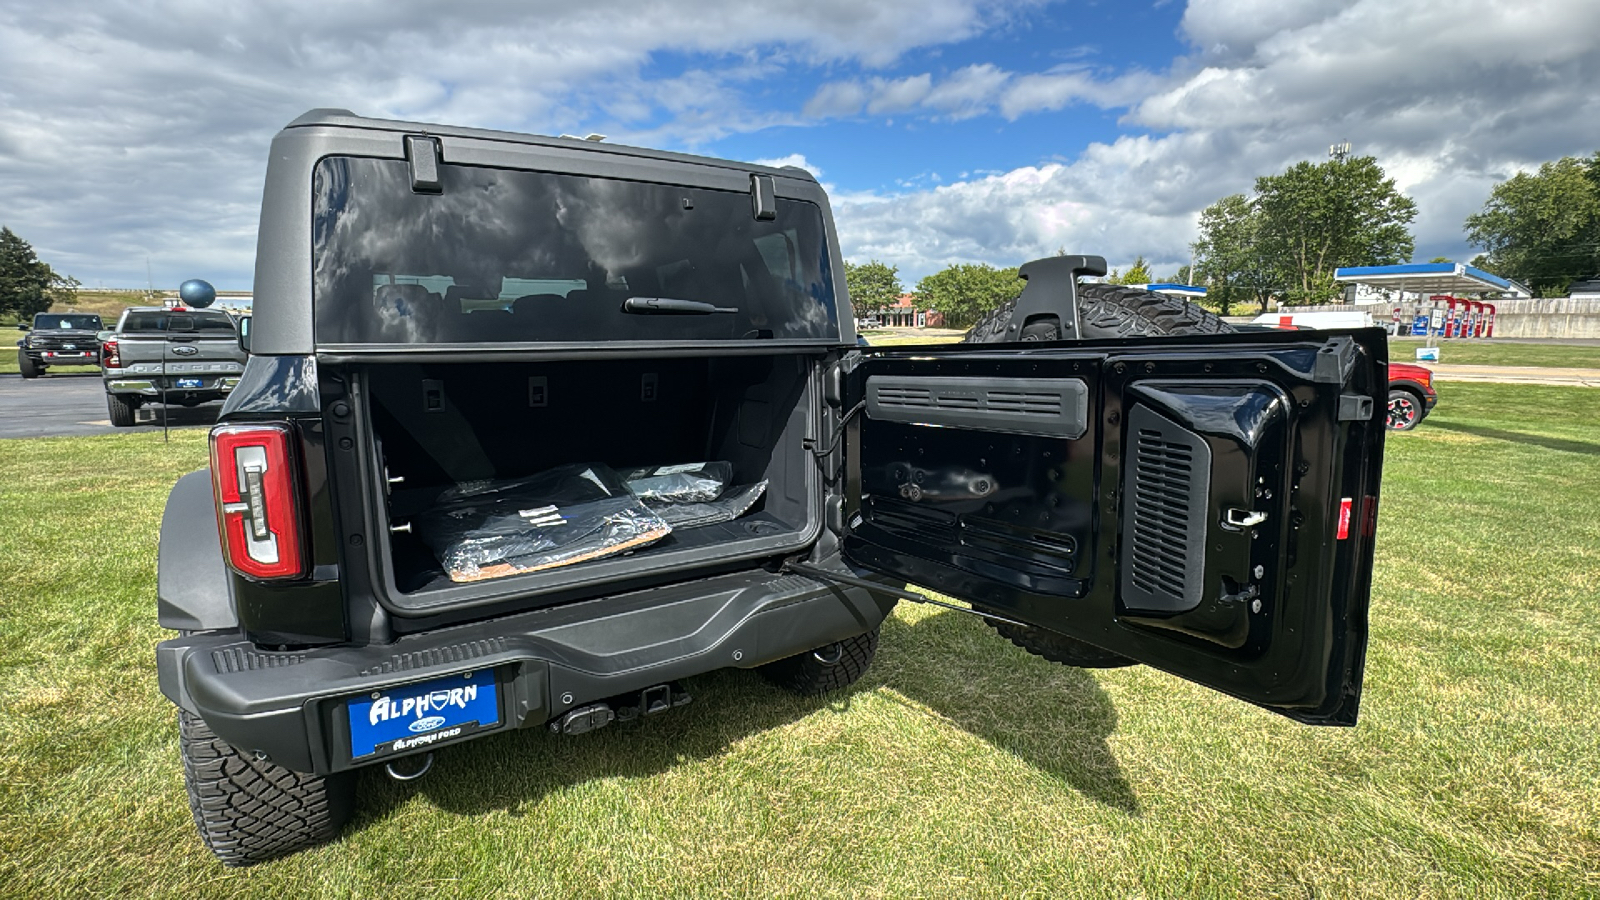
1055,718
1518,437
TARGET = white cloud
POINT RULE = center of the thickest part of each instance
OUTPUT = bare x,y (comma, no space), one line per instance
900,94
969,91
976,90
798,160
140,131
1449,98
839,98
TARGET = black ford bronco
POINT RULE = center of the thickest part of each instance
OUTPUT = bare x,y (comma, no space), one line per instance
59,339
423,522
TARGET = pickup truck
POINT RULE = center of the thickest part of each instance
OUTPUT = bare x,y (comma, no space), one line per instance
534,430
169,355
58,339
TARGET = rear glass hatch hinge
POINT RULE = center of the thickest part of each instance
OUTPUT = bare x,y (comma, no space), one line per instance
422,151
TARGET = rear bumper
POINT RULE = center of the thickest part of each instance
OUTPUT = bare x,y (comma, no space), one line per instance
65,357
291,706
215,388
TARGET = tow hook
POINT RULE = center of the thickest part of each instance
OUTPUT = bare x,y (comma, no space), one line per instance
401,769
654,700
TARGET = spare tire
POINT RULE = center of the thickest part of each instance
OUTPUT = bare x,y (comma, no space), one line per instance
1108,311
1104,311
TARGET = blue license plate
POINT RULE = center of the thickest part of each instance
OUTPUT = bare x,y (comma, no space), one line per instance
191,382
420,715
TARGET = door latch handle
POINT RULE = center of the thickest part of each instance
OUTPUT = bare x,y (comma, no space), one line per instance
1243,518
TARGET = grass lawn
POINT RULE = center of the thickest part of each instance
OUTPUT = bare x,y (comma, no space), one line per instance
1501,353
958,767
1469,353
890,338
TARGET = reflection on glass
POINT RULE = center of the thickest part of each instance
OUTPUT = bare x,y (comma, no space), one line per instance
503,256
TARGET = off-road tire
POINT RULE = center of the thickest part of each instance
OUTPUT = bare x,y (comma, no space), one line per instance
1104,311
122,409
27,367
248,810
1399,399
1107,311
825,669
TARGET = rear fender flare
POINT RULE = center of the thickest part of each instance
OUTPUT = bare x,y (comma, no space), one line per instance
193,590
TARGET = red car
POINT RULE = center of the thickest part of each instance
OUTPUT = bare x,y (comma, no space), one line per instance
1411,395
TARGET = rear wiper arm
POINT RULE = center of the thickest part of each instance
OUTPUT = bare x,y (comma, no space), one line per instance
657,305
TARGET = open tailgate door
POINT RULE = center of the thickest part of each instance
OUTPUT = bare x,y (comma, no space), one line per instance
1204,505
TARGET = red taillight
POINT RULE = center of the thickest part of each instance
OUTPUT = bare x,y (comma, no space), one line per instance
108,355
258,508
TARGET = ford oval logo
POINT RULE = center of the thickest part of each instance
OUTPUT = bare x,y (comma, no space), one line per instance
185,351
428,724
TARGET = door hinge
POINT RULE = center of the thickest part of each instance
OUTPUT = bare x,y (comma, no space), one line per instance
423,153
838,429
763,198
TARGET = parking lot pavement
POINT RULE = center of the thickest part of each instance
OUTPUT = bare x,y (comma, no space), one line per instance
71,404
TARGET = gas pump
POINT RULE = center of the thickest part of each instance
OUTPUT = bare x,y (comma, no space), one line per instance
1488,325
1444,314
1453,317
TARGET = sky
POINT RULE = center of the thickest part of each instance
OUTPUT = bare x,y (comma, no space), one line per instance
133,136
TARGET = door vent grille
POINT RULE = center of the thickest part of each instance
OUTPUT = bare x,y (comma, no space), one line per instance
1053,407
920,522
905,396
1165,485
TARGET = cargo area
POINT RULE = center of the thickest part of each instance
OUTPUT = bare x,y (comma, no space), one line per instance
441,429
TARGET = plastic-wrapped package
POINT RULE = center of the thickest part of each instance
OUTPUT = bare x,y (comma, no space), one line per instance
699,482
490,529
731,505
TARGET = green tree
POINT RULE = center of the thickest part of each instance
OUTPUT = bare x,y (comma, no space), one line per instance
1316,217
27,284
873,285
1543,228
1229,259
1138,273
965,292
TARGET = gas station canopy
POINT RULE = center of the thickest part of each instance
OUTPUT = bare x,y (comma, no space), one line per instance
1429,278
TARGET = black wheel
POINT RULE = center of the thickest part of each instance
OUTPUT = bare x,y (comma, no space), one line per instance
1405,410
27,366
831,668
121,409
1104,311
250,811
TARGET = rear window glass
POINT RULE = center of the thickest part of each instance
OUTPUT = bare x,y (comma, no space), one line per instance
508,256
58,322
189,322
